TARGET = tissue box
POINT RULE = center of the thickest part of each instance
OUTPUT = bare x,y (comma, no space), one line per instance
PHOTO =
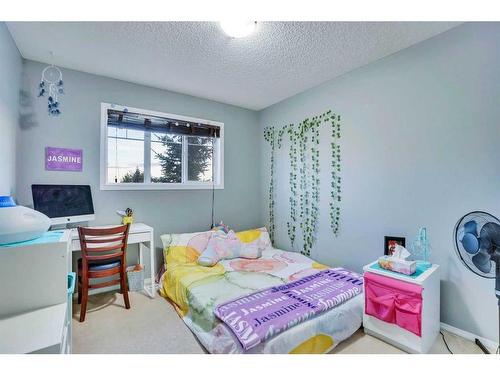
408,267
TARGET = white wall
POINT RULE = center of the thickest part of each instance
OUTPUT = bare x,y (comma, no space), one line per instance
10,78
420,147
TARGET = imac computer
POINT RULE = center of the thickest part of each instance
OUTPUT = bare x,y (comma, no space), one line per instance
64,204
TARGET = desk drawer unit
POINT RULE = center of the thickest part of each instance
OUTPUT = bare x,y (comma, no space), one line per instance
402,310
34,274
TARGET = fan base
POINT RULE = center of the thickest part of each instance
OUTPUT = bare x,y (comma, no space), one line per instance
477,341
482,347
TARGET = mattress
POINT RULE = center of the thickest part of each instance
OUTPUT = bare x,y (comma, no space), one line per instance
195,291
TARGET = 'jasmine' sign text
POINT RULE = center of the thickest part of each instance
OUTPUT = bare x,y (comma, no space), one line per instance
63,159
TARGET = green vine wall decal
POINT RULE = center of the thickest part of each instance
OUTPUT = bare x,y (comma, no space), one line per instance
292,154
304,193
335,197
314,180
280,135
270,137
304,177
304,181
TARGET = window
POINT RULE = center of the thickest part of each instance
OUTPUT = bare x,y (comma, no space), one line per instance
143,149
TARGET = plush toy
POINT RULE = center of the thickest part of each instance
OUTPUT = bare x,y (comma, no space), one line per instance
227,246
127,216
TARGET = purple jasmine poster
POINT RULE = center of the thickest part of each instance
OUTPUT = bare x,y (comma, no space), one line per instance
63,159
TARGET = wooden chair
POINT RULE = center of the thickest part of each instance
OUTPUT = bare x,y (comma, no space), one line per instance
103,255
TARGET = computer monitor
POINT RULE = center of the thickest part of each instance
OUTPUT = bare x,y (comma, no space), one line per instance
64,204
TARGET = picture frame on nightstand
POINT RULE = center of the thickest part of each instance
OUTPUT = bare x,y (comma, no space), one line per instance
390,243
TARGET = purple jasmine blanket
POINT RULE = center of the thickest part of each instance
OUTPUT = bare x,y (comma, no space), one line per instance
261,315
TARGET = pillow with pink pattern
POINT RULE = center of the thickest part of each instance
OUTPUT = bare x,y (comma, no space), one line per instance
226,246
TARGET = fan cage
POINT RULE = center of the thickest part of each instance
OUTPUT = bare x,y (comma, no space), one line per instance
481,218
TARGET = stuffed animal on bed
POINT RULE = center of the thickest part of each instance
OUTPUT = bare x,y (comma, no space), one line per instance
227,246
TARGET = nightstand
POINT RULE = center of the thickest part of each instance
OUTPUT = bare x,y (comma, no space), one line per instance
400,309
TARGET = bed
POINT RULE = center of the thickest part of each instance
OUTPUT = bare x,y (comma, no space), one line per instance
195,290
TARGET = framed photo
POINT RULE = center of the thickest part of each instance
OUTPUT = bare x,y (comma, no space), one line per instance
391,242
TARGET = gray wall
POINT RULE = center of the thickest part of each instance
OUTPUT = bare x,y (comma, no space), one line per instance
79,127
420,147
10,78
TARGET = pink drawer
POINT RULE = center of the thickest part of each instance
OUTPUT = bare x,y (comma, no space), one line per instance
394,301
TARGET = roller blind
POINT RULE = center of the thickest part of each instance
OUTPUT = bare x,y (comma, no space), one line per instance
137,121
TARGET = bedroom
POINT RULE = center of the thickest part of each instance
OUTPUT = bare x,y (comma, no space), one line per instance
246,156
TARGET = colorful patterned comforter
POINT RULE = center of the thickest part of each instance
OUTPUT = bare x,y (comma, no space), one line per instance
196,290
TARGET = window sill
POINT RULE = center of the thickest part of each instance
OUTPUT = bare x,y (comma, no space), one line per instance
138,186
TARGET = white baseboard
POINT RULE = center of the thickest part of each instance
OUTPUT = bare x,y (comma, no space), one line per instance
490,344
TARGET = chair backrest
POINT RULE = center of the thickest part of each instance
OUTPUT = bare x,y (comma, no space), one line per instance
103,243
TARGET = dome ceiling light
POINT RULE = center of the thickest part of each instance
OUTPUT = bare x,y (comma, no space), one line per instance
238,29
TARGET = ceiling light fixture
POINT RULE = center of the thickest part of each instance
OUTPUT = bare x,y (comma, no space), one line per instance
238,29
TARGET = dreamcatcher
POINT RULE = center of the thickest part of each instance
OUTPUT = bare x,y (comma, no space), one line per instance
52,85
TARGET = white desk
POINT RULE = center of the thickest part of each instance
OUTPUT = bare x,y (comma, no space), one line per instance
139,233
35,315
39,331
34,274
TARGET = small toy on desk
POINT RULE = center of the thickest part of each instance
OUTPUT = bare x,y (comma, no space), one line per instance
397,261
127,216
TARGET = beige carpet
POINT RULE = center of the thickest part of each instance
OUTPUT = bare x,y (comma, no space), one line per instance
153,326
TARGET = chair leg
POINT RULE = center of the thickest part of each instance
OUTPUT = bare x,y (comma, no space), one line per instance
124,288
79,281
79,286
85,296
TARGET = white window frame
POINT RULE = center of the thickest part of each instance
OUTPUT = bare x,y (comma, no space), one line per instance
218,176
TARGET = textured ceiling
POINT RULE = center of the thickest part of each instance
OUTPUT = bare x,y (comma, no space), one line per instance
279,60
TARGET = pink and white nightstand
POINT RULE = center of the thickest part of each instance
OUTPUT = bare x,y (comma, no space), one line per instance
400,309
